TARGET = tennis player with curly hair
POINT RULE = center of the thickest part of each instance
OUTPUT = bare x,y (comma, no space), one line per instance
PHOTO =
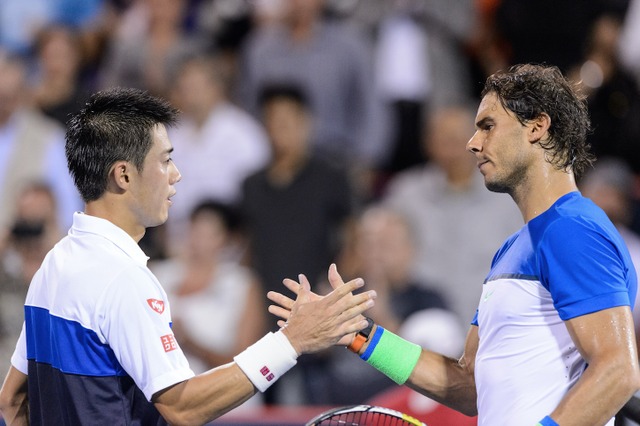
552,341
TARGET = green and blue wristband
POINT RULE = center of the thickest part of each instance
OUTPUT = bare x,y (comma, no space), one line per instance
392,355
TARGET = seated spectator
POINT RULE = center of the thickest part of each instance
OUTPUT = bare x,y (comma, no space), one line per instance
216,304
334,67
217,145
383,255
58,90
150,41
613,95
33,232
31,148
295,210
610,184
456,221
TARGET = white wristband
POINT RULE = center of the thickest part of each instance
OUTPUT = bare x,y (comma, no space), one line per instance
267,360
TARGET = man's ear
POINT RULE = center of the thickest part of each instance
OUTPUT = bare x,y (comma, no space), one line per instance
119,176
538,128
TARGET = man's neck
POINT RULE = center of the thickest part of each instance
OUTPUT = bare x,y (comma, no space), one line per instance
535,196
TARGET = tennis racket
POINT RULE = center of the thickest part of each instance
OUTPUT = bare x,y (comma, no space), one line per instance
363,415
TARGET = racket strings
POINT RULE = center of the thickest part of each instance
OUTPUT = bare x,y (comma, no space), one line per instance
363,419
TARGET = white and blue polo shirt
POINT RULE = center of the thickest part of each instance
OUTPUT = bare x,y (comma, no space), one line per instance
567,262
97,341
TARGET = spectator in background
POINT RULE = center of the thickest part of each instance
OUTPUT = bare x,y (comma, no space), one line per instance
150,41
333,65
31,148
206,287
294,209
628,47
403,79
33,232
58,90
456,221
613,95
220,143
383,254
610,184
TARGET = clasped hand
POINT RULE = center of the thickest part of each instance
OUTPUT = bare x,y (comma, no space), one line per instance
313,322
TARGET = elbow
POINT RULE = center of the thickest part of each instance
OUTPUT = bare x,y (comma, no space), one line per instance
631,381
470,411
180,418
186,416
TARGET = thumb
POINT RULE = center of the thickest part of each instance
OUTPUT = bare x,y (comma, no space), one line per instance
334,277
304,292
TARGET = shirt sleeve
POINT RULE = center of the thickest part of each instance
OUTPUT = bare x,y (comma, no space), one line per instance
135,320
582,269
19,357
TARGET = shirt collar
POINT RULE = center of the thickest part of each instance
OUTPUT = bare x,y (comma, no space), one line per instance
84,223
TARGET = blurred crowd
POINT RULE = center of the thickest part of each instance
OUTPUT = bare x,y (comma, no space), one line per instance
312,131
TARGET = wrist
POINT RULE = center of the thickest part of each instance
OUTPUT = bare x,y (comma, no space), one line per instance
294,344
361,338
390,354
267,360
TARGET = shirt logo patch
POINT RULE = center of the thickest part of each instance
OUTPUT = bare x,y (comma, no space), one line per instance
267,373
156,305
168,342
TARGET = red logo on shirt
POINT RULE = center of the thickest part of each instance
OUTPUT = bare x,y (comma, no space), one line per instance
168,342
156,305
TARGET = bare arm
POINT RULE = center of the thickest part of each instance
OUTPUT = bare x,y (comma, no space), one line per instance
447,380
13,399
204,397
441,378
314,324
606,340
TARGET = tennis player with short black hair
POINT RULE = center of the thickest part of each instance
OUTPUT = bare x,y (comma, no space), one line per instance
552,342
97,346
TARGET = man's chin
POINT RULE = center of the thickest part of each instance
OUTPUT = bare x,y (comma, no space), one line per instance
496,187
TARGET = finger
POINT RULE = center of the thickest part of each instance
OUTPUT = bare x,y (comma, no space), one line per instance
334,277
304,282
356,309
304,289
281,323
341,291
279,312
353,326
280,299
291,285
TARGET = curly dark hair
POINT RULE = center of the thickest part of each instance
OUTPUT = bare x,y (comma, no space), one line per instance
114,125
529,90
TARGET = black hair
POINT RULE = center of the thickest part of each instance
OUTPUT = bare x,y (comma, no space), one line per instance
290,92
114,125
228,213
529,90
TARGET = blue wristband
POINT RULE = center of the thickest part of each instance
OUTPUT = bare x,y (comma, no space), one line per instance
372,343
547,421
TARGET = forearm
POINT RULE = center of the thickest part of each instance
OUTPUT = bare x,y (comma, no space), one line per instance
14,403
446,380
16,414
599,394
206,396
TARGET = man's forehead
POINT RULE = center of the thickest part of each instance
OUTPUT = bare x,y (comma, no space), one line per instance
490,107
161,140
